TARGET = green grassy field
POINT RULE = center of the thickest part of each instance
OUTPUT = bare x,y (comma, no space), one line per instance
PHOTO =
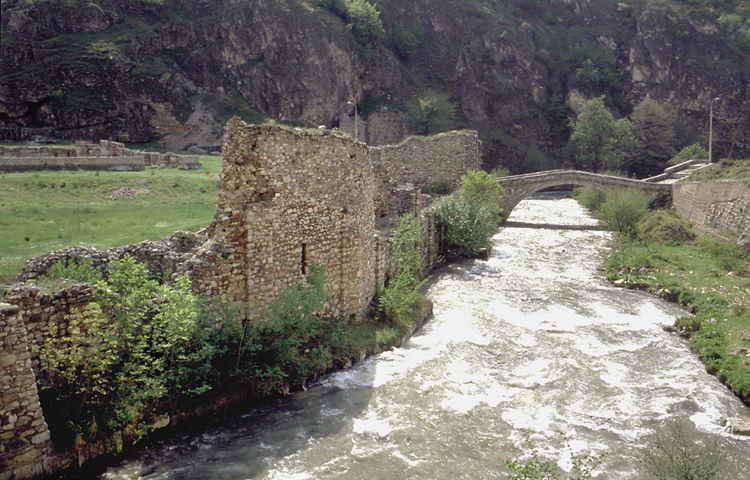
49,210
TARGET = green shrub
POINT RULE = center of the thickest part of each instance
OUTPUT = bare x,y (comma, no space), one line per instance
481,188
292,339
622,212
403,290
589,197
468,220
139,344
439,187
466,227
361,17
81,270
729,256
671,455
407,40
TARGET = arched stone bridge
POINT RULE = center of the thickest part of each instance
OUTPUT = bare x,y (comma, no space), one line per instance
518,187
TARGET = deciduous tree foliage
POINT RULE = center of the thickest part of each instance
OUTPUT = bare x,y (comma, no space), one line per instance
654,140
431,112
598,139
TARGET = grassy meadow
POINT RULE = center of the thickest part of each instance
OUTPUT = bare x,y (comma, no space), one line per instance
42,211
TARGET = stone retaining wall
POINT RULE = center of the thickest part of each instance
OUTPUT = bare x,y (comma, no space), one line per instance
693,200
723,204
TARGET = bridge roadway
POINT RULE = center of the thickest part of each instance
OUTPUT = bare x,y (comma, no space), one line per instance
518,187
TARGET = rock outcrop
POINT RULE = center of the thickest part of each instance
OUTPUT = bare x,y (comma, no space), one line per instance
175,71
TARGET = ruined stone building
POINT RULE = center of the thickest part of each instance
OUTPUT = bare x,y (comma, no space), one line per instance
290,198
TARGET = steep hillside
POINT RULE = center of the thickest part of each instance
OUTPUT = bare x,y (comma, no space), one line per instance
516,70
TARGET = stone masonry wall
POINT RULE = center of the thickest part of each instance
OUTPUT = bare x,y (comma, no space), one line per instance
41,310
424,160
733,216
290,198
724,204
693,199
24,437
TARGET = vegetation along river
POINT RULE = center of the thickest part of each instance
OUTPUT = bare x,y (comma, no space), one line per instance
532,341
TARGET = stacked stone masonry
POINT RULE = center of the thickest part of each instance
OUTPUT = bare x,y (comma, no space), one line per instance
422,161
105,155
288,199
24,437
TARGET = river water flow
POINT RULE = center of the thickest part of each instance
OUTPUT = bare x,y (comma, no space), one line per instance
530,343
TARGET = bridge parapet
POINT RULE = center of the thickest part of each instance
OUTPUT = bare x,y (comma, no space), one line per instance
518,187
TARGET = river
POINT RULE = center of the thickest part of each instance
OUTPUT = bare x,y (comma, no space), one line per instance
530,343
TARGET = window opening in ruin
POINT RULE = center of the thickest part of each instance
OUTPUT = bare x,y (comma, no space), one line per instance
304,259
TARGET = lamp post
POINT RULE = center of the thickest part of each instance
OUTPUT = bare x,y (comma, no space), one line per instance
356,129
711,130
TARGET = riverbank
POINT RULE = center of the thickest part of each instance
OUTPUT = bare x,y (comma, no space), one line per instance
708,275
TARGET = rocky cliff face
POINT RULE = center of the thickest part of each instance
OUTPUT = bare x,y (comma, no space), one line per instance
175,70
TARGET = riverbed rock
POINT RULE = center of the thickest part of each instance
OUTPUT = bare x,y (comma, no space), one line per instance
738,425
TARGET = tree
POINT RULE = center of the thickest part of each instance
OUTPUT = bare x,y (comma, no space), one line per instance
431,112
600,141
654,137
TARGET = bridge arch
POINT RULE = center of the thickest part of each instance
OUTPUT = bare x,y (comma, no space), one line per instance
518,187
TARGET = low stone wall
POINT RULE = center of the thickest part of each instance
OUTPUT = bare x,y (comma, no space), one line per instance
105,155
24,437
20,164
164,257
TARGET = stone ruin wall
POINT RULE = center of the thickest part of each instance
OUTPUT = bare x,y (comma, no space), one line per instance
106,155
290,198
24,437
422,161
383,127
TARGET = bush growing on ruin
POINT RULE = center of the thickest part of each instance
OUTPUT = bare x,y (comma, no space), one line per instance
468,220
403,290
139,344
622,212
